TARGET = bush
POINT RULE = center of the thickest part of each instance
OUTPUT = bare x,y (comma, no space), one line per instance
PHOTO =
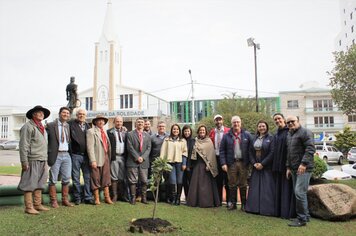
319,167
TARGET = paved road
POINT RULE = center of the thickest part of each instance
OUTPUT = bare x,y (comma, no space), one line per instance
9,158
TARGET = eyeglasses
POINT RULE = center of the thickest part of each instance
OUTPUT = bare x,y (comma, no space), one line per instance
291,121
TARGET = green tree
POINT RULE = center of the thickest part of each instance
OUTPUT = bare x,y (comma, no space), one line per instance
343,80
345,139
244,107
159,166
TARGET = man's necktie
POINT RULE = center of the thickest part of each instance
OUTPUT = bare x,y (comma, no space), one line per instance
62,134
105,142
141,140
119,135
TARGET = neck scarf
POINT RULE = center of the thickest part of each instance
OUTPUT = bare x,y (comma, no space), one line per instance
205,149
39,125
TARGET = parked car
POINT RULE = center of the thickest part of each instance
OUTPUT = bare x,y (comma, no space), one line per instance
329,154
349,169
335,175
9,145
351,155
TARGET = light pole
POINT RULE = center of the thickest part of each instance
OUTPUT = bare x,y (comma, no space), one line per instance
251,43
193,108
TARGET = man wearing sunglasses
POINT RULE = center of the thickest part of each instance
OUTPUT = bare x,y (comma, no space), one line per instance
300,164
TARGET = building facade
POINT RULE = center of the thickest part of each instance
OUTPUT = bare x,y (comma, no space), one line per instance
316,111
11,121
347,35
182,110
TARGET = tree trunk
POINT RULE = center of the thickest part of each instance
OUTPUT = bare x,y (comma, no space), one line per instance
156,200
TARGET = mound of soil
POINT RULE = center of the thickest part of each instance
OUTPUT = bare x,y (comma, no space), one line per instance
151,225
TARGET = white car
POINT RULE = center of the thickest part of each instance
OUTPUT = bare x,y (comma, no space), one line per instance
335,175
349,169
351,155
329,154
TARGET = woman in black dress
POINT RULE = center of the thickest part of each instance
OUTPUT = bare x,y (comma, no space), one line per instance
261,191
284,200
203,191
187,135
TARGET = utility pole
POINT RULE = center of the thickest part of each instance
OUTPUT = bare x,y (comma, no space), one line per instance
193,101
251,43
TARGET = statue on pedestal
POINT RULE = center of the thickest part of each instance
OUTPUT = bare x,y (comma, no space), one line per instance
72,95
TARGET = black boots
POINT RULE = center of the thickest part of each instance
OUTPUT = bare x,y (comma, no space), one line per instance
133,194
144,194
233,198
179,193
243,191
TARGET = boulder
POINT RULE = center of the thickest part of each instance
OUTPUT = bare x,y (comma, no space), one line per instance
335,202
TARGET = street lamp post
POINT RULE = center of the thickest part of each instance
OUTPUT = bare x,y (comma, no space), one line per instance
251,43
193,101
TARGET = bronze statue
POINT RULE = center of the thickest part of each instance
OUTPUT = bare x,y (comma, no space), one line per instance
72,95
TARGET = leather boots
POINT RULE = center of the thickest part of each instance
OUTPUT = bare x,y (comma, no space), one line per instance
37,201
53,196
29,205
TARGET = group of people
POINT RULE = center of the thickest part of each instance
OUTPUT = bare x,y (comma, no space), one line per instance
269,173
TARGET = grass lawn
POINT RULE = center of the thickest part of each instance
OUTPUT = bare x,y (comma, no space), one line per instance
114,220
10,170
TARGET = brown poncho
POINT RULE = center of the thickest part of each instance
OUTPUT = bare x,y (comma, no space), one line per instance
205,149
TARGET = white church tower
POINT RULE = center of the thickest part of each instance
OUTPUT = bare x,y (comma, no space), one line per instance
107,68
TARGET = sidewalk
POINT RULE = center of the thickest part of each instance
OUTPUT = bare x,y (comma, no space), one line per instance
6,180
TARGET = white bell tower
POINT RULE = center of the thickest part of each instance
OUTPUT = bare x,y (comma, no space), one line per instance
107,68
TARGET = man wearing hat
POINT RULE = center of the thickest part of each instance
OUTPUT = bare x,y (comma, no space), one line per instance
33,156
99,152
216,136
58,156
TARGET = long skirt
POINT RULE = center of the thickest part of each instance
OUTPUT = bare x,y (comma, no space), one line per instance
203,191
284,200
261,193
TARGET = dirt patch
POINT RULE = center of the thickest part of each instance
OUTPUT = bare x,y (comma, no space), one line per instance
151,225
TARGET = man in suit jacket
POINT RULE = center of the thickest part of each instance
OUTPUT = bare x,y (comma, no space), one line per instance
58,156
138,148
80,160
99,152
117,137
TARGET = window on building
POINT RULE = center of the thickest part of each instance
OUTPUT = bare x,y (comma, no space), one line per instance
89,103
323,105
352,29
351,118
351,16
339,42
126,101
344,22
106,55
4,127
324,121
353,41
345,35
292,104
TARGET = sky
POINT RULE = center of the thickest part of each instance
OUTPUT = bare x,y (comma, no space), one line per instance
45,42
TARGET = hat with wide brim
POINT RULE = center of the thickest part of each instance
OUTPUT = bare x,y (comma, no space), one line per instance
100,117
45,111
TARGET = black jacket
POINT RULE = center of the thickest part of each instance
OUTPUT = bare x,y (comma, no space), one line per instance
301,149
78,138
111,135
280,150
227,148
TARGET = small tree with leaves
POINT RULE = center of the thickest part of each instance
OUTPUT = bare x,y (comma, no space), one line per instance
345,139
159,166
